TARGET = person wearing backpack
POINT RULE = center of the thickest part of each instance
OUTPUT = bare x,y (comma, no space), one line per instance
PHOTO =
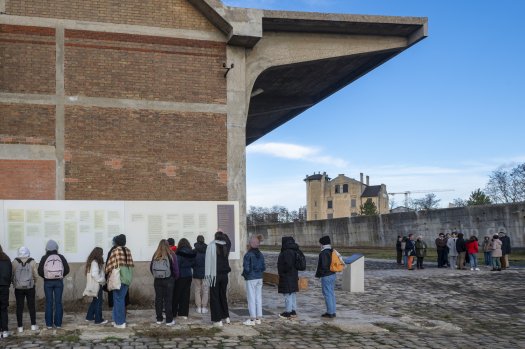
25,274
287,264
182,289
95,278
253,267
53,267
6,275
120,258
200,288
327,276
165,271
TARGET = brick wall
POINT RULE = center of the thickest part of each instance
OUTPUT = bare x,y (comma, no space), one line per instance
27,59
27,124
27,180
144,67
156,13
145,155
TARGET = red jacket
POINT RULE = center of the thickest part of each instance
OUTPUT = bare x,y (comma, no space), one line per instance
472,247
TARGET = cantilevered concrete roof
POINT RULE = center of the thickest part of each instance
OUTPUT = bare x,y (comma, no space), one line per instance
285,89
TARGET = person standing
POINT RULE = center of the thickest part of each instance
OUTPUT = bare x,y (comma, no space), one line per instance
171,243
410,251
403,249
495,247
487,251
253,267
25,274
217,268
121,258
182,289
452,252
165,271
53,267
461,247
421,252
327,276
95,279
200,288
505,250
472,250
441,248
6,275
399,251
288,276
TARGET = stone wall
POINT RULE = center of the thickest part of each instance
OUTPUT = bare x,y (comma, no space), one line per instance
382,231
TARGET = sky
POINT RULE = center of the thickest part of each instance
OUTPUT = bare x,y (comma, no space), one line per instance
439,117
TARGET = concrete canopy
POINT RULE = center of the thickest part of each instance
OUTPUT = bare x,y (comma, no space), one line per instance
296,59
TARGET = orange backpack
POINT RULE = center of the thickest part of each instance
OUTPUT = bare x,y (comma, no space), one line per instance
337,264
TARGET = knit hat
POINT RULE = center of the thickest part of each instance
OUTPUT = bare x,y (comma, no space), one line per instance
120,240
23,252
254,242
325,240
51,245
171,241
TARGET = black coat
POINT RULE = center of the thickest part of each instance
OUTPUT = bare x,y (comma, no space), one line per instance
461,245
223,264
6,272
505,245
288,274
200,260
323,264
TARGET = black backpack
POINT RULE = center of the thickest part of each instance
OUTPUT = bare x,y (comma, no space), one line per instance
300,260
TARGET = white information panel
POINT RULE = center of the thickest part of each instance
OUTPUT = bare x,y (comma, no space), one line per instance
79,226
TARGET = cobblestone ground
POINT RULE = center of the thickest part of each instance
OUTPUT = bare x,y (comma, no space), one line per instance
430,308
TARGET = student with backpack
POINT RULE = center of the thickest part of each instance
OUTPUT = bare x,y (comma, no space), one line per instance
6,275
200,288
25,274
165,271
182,290
95,279
327,276
290,261
53,267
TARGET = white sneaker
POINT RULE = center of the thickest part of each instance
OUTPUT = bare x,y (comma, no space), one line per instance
34,327
257,321
204,310
184,317
171,323
477,268
217,324
249,322
198,310
471,268
20,329
102,323
227,320
120,326
5,334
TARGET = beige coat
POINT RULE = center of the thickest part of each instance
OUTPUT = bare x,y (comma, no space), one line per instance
496,248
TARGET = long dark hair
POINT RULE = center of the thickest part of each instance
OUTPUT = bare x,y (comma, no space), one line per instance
183,243
3,256
95,255
221,249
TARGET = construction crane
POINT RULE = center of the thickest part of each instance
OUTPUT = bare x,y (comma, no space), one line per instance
408,192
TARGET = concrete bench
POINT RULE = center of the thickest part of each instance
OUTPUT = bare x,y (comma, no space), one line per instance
273,279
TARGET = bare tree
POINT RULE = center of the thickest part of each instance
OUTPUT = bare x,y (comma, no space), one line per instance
506,186
429,202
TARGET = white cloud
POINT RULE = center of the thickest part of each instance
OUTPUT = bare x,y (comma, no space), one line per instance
289,193
296,152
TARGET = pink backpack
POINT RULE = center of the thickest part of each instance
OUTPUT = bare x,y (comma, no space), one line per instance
53,267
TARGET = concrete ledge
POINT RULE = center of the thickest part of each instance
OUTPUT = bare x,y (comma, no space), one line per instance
27,152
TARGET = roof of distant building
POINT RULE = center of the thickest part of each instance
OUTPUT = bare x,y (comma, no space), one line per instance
371,191
316,177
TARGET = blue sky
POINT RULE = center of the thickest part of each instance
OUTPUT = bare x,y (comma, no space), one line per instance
441,115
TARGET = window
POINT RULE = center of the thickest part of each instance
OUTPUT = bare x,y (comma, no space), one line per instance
345,188
353,203
330,204
337,189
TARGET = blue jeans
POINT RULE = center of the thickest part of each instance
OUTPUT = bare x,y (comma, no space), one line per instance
254,295
53,292
328,285
290,302
119,305
95,308
473,259
488,258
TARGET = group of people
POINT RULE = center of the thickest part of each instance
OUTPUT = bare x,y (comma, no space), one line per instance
173,267
454,251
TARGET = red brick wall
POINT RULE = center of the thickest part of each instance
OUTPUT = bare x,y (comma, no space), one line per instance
122,154
27,59
27,180
157,13
27,124
144,67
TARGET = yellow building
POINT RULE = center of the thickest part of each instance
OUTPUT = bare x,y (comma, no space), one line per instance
342,196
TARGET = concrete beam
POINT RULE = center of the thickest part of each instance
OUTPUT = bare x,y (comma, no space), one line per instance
60,131
27,152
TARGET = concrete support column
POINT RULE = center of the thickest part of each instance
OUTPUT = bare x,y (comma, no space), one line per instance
59,116
236,125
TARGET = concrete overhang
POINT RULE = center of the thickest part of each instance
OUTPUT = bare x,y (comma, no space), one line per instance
294,60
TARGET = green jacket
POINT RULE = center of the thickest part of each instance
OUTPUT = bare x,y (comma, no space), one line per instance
421,248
